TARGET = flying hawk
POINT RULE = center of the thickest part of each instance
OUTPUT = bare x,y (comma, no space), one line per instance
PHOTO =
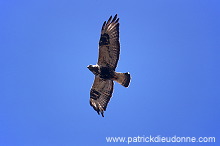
104,71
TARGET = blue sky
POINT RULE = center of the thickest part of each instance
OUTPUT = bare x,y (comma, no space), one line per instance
171,48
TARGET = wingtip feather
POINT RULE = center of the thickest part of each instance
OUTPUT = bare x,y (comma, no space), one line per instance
102,114
115,17
117,20
109,20
103,25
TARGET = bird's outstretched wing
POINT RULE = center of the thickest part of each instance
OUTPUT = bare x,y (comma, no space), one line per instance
109,46
100,94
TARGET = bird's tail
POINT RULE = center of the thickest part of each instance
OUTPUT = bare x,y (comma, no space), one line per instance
123,78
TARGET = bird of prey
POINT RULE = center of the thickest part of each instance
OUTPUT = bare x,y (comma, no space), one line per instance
104,70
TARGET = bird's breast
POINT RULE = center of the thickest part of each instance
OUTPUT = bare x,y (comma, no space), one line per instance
106,73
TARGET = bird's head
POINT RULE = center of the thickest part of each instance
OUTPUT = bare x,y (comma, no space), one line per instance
89,67
94,69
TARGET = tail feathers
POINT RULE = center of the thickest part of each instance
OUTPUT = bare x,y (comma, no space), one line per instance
123,78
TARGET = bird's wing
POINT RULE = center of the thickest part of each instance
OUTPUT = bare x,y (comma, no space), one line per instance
100,94
109,46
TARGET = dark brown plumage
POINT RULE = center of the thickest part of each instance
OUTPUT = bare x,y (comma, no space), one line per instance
104,71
